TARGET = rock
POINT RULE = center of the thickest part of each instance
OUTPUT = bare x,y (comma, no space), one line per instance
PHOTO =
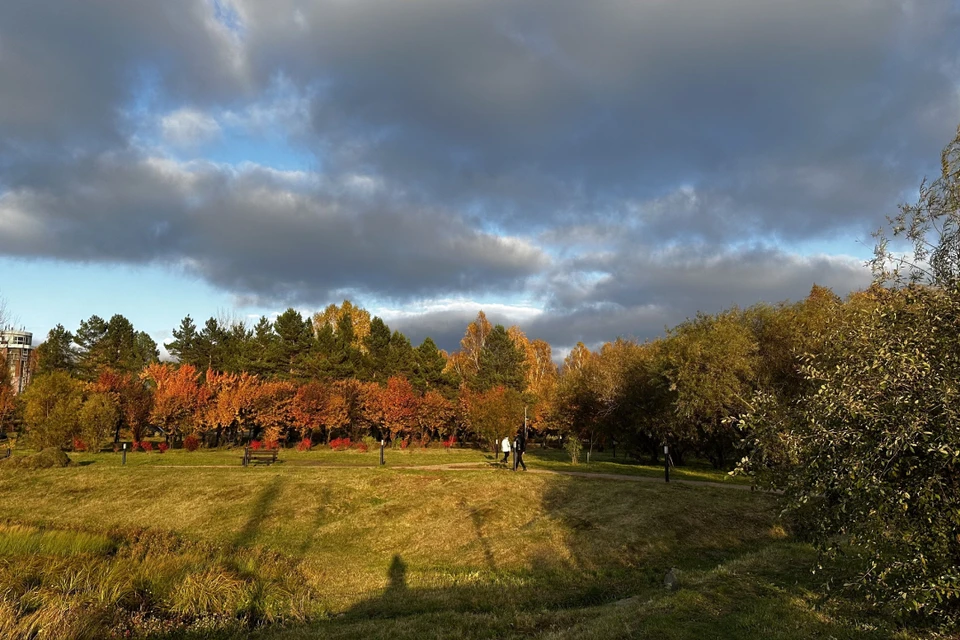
670,581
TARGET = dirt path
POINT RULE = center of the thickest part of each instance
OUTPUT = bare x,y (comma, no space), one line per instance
474,466
471,466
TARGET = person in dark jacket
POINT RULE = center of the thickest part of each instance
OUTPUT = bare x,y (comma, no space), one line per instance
519,447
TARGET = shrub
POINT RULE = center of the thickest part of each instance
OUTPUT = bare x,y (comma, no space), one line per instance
405,443
271,444
44,459
134,446
340,444
147,446
162,447
305,445
79,445
362,447
449,442
256,445
191,443
574,447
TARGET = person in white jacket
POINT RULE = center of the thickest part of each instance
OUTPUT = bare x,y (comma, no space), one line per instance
505,448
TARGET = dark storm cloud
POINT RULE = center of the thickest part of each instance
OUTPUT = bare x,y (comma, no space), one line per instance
69,69
804,115
642,294
275,237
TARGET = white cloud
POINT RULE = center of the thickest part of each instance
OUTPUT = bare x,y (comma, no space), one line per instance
188,128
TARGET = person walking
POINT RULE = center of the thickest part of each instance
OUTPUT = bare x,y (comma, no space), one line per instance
505,448
520,446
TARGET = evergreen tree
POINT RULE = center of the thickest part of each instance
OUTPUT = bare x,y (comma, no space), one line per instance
263,349
211,345
56,352
429,363
145,351
185,342
90,340
377,343
501,363
401,360
294,343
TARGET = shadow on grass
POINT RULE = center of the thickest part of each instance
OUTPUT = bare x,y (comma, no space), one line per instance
258,513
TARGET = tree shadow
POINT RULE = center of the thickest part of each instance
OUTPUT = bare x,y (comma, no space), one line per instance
258,513
476,517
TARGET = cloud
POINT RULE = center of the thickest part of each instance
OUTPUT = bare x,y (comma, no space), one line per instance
616,165
189,128
260,233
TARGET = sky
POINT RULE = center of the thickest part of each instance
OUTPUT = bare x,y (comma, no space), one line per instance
587,170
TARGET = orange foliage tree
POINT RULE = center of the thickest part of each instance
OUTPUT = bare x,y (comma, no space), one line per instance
309,408
435,416
490,415
395,407
230,400
274,411
177,395
133,398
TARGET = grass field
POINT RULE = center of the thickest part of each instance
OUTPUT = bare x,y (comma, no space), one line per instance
536,458
330,545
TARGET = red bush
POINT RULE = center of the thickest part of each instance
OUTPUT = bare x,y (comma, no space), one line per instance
147,446
340,444
134,445
449,442
79,445
162,447
362,447
271,444
304,445
256,445
405,443
191,443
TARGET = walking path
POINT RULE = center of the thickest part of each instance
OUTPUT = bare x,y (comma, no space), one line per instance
474,466
471,466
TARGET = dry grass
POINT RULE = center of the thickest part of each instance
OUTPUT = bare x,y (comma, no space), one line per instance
399,553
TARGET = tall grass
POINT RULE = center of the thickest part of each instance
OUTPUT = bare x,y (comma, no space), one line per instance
67,584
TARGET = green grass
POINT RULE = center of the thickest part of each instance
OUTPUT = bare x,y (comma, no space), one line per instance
299,551
536,458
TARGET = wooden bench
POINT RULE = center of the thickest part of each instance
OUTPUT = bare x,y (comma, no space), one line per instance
259,456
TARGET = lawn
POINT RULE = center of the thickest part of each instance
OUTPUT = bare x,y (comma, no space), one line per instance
331,544
536,458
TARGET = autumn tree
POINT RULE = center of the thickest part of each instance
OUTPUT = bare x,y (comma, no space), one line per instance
492,414
274,411
98,418
177,396
711,363
870,452
309,407
466,363
396,407
52,405
931,226
7,399
230,401
134,401
359,320
435,415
